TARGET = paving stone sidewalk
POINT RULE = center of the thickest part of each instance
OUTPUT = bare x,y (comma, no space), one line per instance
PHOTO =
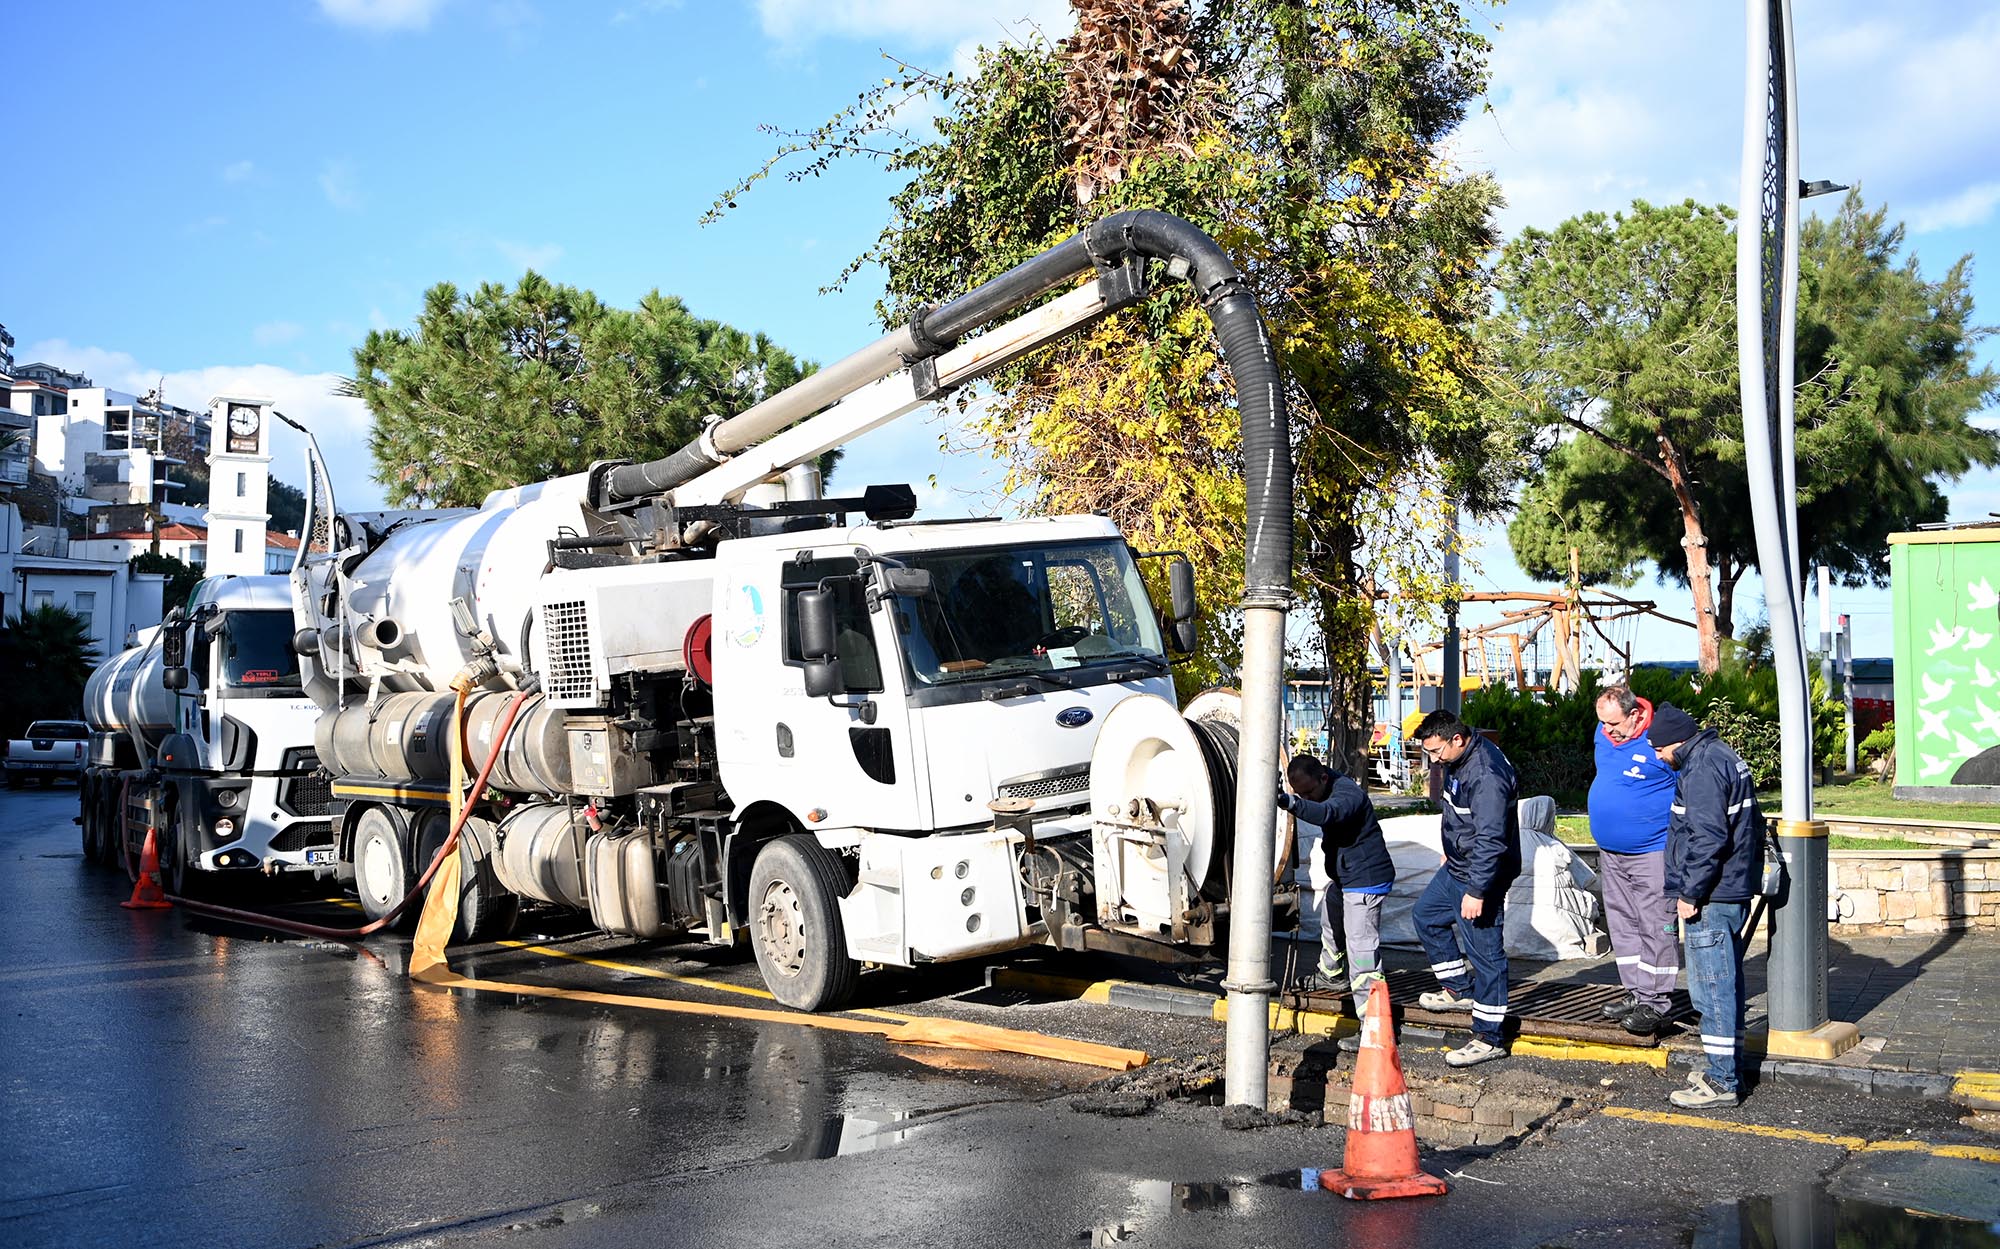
1924,1004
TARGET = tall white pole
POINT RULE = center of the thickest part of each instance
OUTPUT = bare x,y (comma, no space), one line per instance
1767,260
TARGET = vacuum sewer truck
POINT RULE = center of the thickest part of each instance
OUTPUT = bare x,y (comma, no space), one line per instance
745,712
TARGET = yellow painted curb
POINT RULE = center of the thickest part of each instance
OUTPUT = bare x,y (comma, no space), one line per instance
1586,1051
1098,991
1854,1144
1978,1089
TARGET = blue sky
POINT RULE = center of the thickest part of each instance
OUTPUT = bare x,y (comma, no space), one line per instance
230,195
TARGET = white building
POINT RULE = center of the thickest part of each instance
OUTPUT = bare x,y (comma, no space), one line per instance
186,543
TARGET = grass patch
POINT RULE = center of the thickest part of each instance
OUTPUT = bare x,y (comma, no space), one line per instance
1867,797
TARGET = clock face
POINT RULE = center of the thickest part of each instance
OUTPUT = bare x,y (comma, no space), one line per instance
243,421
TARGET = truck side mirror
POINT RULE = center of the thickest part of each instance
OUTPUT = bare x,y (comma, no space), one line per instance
173,650
824,678
816,631
906,582
1180,593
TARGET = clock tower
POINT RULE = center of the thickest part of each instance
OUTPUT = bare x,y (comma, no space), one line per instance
239,483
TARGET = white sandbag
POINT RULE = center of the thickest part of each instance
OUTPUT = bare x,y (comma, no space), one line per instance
1552,911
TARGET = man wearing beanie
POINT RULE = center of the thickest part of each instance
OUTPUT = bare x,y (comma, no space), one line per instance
1714,853
1629,808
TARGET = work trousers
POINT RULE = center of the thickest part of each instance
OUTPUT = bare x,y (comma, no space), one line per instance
1350,943
1715,985
1641,918
1467,956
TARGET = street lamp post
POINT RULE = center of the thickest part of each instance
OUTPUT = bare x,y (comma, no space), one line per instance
1767,279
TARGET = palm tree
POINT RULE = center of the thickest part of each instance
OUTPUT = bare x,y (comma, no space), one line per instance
47,655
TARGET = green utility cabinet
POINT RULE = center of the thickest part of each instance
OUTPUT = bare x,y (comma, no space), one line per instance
1946,587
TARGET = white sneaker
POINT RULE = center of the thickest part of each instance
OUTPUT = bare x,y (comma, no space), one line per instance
1700,1094
1474,1052
1443,999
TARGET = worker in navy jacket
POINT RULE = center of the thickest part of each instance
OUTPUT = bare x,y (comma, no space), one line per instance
1629,802
1461,917
1351,873
1715,841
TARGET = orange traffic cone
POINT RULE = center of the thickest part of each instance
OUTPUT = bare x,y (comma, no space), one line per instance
147,894
1381,1155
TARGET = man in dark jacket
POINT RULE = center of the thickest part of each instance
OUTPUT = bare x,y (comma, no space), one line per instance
1462,913
1714,858
1351,872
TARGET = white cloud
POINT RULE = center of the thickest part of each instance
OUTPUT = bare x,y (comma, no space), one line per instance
1597,102
239,171
340,425
271,333
337,179
381,15
536,256
1971,207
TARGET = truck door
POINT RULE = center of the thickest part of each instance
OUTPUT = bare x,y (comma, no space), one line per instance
850,755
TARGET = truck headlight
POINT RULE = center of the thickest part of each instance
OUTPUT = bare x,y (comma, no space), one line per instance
226,798
225,829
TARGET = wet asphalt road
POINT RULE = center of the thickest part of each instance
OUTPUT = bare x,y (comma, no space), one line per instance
169,1081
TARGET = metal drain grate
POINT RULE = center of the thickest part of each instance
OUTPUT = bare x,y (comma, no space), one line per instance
1548,1008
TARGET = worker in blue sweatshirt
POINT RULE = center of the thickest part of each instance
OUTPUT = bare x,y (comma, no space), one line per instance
1351,872
1461,917
1630,804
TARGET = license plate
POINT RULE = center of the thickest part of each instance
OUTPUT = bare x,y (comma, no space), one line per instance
319,856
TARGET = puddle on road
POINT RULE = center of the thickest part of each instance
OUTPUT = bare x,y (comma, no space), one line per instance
1153,1199
856,1132
1811,1217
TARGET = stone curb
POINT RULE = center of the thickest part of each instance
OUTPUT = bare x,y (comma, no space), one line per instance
1200,1004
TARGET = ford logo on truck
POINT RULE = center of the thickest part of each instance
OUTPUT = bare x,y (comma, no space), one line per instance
1073,717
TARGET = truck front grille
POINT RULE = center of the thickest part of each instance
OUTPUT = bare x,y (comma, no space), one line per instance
566,671
1048,784
310,794
311,834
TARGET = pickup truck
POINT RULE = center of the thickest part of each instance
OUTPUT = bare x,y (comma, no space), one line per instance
49,749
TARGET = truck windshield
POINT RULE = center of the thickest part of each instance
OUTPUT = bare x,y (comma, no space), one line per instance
1008,611
256,651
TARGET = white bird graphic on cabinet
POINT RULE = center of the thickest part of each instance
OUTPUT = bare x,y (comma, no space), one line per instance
1934,690
1933,724
1943,639
1988,721
1983,677
1932,767
1982,596
1966,747
1975,640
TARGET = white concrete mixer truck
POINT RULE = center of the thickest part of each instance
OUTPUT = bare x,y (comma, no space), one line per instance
202,732
845,735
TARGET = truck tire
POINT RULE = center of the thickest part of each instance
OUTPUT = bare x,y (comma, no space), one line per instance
486,910
177,875
795,929
86,803
381,867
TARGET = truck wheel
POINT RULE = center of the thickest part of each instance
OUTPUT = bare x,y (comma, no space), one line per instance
170,843
485,910
381,873
795,927
86,803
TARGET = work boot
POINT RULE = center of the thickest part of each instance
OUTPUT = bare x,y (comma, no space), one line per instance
1698,1095
1444,999
1476,1051
1616,1008
1642,1020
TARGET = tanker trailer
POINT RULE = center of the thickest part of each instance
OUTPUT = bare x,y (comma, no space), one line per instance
744,712
201,731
